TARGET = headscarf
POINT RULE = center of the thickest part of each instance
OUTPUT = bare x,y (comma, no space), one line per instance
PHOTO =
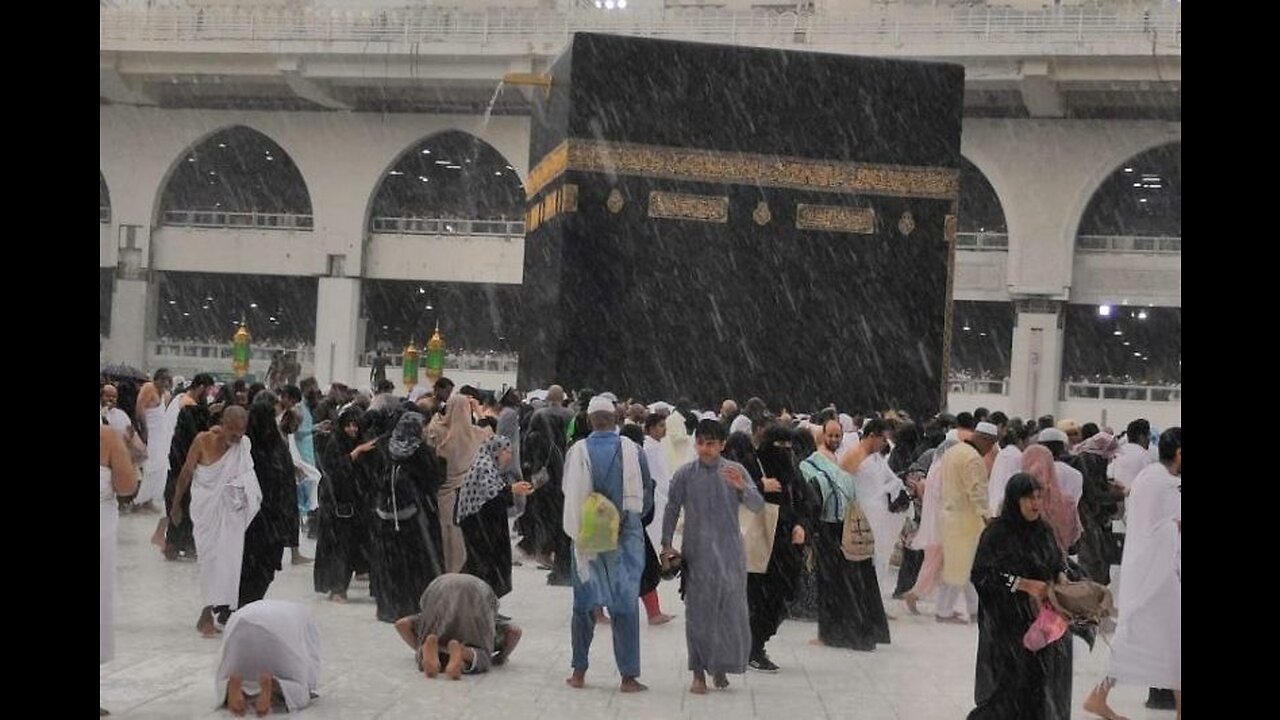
462,437
349,414
1102,443
1059,512
484,479
407,437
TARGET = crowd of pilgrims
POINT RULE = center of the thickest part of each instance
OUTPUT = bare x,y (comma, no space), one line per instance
402,491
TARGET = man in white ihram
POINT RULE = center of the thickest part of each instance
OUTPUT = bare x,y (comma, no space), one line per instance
225,497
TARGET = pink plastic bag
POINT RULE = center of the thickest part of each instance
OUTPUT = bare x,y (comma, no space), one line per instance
1048,627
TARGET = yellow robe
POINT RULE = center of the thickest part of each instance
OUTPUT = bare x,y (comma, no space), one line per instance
964,510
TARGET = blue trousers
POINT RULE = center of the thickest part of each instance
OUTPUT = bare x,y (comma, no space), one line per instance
626,640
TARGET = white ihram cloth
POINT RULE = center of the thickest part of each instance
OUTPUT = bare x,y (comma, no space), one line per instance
1147,648
873,483
160,424
225,496
276,637
110,519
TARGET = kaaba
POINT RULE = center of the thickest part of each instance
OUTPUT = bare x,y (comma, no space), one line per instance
710,221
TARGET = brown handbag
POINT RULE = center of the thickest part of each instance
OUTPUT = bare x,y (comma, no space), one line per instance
856,541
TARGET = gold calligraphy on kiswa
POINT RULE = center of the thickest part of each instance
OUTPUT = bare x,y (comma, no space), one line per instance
694,165
680,206
834,218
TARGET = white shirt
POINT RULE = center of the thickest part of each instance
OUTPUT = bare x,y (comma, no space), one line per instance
1131,459
117,420
1008,463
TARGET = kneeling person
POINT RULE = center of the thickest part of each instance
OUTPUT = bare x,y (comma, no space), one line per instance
270,654
458,628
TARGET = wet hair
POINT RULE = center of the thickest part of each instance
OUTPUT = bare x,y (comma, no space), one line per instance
633,433
257,389
292,392
1020,485
738,448
201,379
1057,448
874,426
443,383
1170,443
1137,430
710,430
1015,432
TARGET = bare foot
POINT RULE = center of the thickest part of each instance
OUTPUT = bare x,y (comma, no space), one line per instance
600,617
362,577
454,668
699,686
910,599
661,619
157,537
205,624
631,685
577,680
338,597
235,695
818,642
1096,703
720,680
431,656
300,559
263,704
512,635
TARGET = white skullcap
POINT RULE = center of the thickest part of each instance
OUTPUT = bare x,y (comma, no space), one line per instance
988,429
1051,435
600,404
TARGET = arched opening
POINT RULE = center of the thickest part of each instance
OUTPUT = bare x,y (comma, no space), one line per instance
236,177
1138,208
449,176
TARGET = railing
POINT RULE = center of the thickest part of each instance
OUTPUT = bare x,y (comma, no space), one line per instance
983,241
972,386
898,30
104,214
219,219
1137,393
1153,245
491,362
448,226
306,354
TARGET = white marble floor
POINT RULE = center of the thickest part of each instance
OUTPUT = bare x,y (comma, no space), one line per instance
164,669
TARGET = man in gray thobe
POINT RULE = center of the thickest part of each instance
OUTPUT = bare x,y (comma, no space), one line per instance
709,491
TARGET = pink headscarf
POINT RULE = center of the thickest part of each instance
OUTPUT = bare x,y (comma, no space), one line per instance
1059,511
1103,444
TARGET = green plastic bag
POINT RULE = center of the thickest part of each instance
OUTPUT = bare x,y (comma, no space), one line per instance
598,531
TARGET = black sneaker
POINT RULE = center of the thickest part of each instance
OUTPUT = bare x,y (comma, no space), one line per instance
1160,699
762,663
